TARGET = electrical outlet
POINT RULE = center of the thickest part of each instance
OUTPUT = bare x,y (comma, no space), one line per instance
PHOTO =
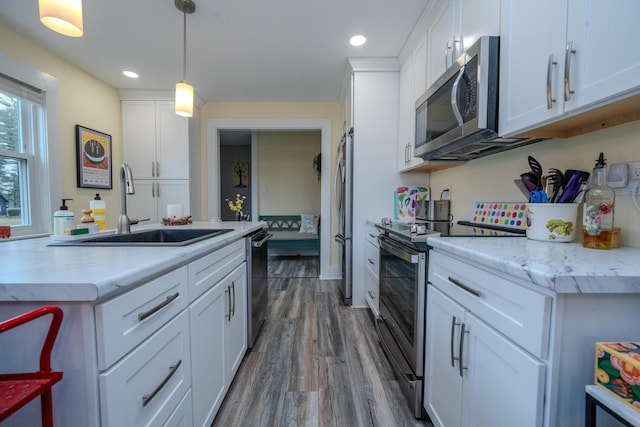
634,170
445,194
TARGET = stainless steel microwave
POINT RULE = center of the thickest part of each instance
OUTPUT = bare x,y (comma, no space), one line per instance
457,117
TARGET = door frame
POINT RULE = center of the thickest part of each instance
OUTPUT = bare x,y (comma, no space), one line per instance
213,161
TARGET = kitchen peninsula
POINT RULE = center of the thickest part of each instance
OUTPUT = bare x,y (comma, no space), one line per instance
137,322
512,325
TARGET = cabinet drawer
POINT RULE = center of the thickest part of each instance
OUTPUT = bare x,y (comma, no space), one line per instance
146,386
183,415
372,259
371,292
125,321
210,269
521,314
371,234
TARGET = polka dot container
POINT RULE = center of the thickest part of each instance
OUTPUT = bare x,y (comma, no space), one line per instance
504,214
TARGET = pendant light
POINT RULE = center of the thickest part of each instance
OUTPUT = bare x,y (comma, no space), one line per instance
62,16
184,91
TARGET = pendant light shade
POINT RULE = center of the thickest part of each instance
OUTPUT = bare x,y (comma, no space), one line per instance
62,16
184,91
184,99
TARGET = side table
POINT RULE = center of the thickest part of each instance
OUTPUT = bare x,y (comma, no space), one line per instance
596,396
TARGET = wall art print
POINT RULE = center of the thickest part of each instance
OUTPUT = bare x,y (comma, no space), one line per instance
93,150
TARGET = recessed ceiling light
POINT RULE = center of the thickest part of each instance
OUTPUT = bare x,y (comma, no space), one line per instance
130,74
358,40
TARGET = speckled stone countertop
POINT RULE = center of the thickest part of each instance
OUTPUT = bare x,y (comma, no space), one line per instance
32,271
560,267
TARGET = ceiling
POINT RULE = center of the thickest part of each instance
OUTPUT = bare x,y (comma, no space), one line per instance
237,50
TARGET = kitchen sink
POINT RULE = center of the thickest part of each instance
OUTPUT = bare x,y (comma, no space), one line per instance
161,237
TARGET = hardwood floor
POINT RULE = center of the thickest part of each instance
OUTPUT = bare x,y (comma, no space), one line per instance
316,362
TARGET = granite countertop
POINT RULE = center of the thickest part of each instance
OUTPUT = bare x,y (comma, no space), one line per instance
560,267
33,271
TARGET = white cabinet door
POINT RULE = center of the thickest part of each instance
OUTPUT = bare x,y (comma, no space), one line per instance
443,382
477,18
139,137
207,316
406,117
155,140
172,153
440,42
503,385
235,334
153,196
607,58
528,51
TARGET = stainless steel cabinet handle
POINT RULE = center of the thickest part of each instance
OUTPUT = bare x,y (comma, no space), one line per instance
148,397
153,189
371,294
550,99
454,96
567,71
453,329
228,292
163,304
157,168
372,262
158,189
462,332
464,287
153,169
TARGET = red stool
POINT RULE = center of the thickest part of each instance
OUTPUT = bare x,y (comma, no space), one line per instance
16,390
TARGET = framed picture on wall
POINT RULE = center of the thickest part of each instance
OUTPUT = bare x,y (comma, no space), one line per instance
94,160
240,171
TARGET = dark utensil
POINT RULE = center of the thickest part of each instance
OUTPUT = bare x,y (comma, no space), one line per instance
556,179
536,168
572,189
530,180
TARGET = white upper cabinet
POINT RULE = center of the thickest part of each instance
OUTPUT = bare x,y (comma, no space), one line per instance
456,25
155,140
582,56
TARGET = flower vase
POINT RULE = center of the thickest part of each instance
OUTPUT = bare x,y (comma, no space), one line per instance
238,216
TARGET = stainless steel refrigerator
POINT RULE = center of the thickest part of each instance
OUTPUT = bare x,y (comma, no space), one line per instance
344,207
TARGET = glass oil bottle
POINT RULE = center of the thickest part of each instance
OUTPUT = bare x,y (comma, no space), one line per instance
598,207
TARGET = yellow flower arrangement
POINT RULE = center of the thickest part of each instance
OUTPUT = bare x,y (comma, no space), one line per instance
236,206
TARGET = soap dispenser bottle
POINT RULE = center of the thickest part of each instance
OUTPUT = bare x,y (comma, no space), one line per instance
99,211
62,219
598,207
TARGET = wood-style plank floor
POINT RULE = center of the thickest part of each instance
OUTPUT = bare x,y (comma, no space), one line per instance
316,362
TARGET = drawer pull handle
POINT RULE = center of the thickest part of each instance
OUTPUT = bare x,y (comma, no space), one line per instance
163,304
148,397
453,329
233,306
465,287
372,262
228,292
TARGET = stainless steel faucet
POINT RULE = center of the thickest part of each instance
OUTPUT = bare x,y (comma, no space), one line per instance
126,187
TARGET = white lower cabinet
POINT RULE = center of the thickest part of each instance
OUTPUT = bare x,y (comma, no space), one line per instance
475,375
144,387
183,415
218,342
372,268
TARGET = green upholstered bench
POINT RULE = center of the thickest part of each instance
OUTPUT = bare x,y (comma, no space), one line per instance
287,239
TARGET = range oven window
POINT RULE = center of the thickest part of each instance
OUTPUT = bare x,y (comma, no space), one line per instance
402,296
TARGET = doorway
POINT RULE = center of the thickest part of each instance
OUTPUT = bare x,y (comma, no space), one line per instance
214,126
235,171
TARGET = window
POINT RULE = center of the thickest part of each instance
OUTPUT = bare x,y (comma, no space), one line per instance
25,154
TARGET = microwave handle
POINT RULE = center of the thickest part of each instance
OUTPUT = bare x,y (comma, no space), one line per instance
454,97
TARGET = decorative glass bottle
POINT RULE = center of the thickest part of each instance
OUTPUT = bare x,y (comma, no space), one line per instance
597,219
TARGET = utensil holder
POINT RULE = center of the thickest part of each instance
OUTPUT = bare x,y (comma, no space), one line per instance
552,222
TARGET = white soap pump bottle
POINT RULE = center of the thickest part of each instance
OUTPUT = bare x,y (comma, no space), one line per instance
62,220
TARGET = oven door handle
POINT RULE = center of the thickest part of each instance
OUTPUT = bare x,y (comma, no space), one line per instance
402,252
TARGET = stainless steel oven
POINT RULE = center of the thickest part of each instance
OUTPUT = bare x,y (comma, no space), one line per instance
401,323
